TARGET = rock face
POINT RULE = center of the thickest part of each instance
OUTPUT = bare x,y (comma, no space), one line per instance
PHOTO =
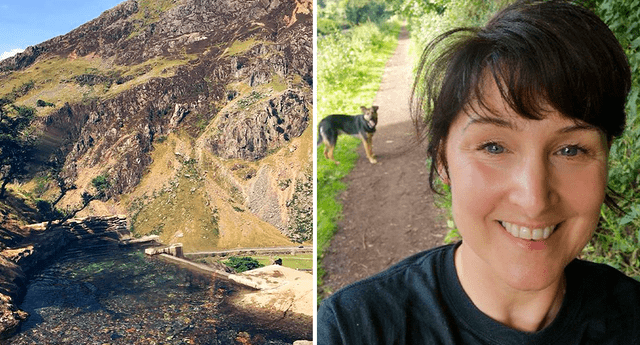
251,136
233,76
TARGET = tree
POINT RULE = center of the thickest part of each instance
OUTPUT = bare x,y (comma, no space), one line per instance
16,141
361,11
52,213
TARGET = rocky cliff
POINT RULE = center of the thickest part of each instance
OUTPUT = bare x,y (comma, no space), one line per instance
190,112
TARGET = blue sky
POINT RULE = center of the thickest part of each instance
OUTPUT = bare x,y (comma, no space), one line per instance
25,23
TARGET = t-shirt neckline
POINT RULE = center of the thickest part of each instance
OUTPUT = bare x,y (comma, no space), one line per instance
475,321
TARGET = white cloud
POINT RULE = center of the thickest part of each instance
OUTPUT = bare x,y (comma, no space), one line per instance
10,53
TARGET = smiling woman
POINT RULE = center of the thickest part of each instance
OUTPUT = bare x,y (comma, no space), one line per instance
541,183
520,117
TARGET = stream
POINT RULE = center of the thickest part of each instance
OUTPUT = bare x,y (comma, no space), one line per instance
107,294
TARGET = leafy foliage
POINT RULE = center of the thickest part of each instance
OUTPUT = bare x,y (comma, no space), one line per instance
42,103
362,11
48,210
101,183
617,241
241,264
344,14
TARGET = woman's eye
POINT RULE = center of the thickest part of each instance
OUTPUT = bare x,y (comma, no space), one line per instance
493,148
570,151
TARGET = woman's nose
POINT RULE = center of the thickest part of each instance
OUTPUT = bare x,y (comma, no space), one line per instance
533,187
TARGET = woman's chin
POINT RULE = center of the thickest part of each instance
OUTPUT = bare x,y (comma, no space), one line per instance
531,277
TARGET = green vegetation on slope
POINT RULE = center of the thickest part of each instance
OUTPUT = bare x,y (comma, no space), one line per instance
58,80
149,12
182,199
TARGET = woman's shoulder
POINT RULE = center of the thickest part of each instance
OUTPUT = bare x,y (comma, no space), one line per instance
381,309
603,280
605,298
602,276
420,271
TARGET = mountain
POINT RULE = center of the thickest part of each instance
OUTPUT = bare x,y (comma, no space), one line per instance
192,117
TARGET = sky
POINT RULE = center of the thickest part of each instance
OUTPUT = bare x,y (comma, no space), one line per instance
25,23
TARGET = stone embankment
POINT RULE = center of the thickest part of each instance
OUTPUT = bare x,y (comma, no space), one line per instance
39,246
285,293
281,288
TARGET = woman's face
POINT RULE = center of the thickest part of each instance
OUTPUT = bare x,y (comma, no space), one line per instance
526,193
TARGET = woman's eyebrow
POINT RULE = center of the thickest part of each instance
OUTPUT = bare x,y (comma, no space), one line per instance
578,127
496,121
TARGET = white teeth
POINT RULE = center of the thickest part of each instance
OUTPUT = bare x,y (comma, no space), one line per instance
536,234
528,233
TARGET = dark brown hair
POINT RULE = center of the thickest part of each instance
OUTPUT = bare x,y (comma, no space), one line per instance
539,53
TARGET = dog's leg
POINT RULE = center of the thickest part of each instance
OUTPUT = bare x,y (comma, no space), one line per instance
370,140
367,142
330,153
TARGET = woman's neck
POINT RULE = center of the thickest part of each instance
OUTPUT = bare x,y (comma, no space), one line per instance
527,311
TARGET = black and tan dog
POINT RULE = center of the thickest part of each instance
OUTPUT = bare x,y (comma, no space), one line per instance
363,126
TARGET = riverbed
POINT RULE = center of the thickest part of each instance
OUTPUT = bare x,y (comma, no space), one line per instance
108,294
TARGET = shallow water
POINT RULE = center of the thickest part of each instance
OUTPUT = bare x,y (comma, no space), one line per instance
105,294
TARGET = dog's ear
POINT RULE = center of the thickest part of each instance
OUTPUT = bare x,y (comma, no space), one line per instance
375,108
364,109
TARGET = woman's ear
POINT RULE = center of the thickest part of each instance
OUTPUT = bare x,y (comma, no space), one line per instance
444,174
441,166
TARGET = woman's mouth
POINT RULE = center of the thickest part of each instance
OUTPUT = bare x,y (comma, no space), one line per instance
526,233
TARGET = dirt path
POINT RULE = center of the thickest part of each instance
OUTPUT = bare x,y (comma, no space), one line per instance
388,207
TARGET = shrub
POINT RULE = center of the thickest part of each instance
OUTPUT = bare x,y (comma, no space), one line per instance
101,183
327,26
42,103
241,264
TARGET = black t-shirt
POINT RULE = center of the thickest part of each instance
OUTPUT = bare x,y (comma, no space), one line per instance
420,301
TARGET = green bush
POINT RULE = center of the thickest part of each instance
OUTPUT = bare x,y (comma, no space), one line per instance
327,26
41,103
241,264
337,15
101,184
